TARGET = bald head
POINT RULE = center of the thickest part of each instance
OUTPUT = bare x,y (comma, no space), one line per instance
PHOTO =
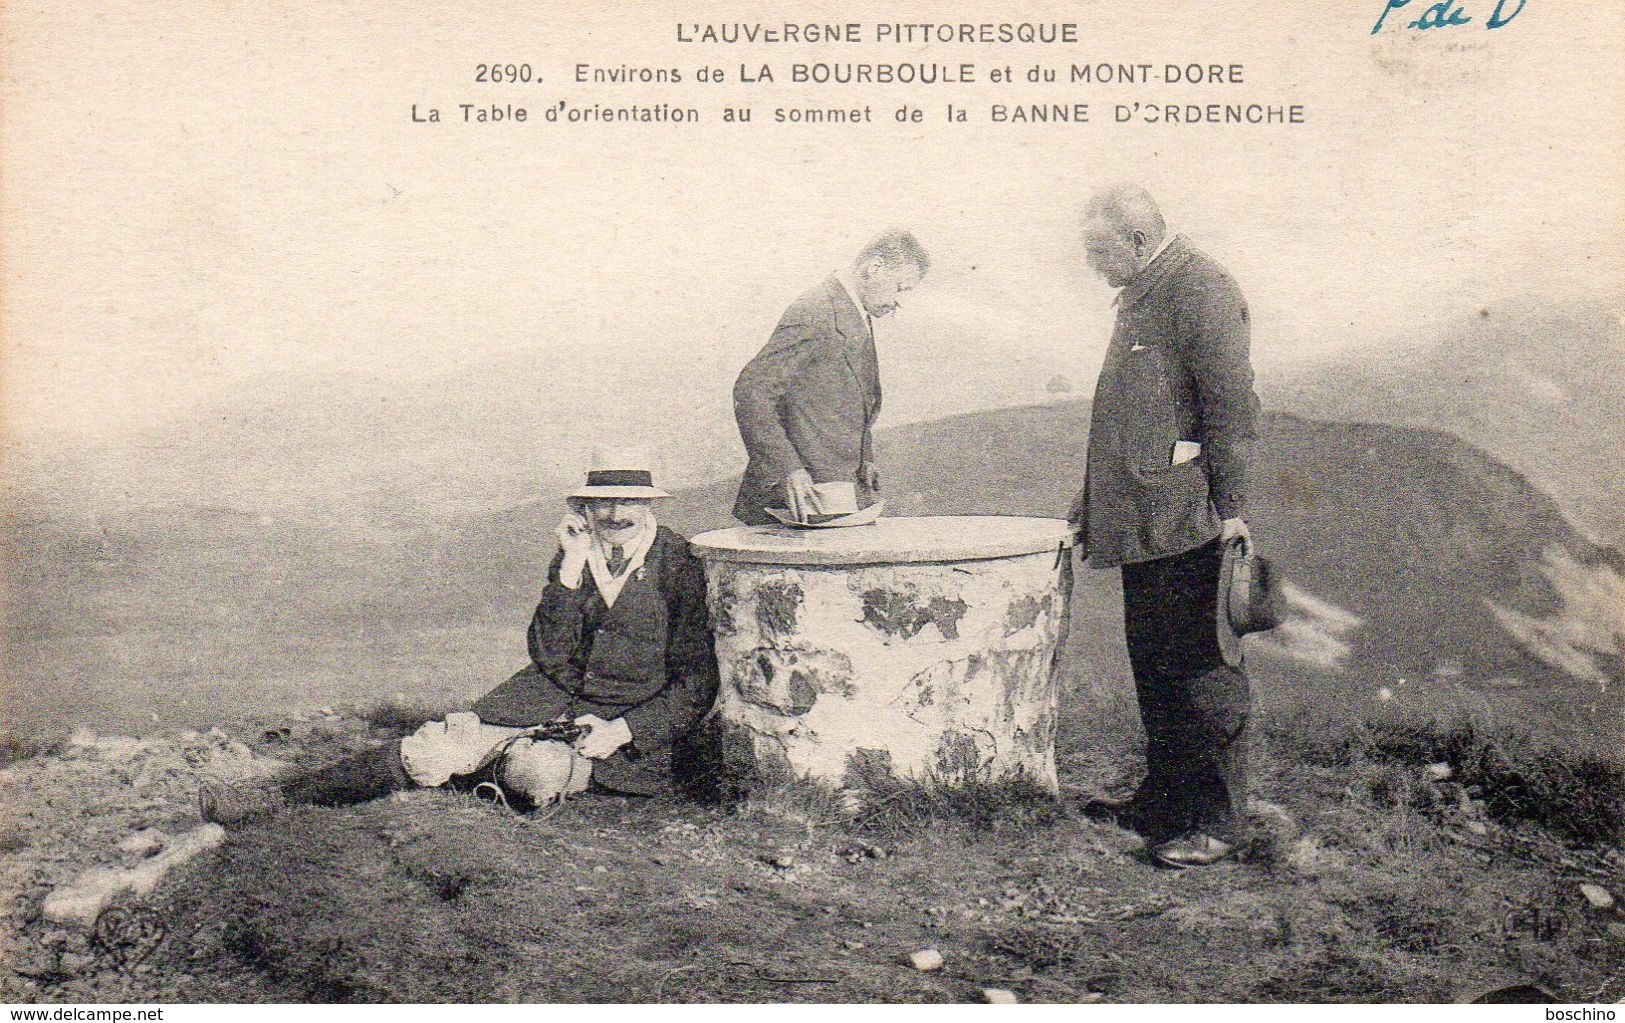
1128,208
1122,228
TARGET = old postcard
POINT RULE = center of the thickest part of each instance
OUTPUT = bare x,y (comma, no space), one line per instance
520,501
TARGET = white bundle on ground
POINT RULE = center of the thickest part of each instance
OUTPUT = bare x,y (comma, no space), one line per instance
91,892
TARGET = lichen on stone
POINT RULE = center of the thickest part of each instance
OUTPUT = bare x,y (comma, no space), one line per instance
1025,611
778,605
723,598
901,614
791,681
752,757
888,659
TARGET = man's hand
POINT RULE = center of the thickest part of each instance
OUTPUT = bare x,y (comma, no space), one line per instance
603,738
1230,529
869,476
1078,518
574,541
799,497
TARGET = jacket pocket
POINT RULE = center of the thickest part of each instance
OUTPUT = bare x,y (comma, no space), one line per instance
1165,467
1172,505
1187,473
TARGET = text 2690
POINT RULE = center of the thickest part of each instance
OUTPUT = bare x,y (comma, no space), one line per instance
501,73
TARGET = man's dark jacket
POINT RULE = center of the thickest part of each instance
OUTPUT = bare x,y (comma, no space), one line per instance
809,401
649,659
1177,369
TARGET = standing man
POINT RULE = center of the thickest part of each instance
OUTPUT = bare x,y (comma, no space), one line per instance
1166,484
807,403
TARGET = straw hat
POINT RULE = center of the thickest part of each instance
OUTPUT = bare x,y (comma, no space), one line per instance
620,473
838,504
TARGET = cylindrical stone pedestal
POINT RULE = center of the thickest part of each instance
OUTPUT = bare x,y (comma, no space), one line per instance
921,647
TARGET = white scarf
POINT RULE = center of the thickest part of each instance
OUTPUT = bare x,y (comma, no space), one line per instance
609,586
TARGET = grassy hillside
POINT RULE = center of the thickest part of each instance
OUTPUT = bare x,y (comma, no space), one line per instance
1398,542
1367,878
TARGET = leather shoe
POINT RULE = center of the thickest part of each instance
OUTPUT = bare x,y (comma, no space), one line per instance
1192,850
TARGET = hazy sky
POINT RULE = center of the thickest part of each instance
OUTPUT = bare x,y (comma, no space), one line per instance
206,203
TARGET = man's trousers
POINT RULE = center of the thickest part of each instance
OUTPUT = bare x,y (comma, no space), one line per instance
1193,705
461,744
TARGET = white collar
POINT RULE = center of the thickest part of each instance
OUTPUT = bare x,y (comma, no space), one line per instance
1167,240
609,586
845,277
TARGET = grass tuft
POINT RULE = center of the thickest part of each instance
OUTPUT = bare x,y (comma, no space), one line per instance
896,806
15,747
1577,794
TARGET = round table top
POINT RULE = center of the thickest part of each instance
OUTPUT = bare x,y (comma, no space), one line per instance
930,538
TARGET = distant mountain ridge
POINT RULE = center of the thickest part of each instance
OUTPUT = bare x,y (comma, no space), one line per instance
1542,390
1409,549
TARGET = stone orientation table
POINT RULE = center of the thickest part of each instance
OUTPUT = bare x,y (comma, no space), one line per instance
918,647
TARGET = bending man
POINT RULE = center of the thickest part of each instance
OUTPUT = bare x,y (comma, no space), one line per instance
807,403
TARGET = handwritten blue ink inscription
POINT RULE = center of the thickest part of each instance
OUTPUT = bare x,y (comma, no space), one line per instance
1449,14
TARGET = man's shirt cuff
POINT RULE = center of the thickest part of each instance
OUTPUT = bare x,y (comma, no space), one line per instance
570,575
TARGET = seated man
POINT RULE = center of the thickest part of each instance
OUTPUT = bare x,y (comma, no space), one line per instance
622,670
